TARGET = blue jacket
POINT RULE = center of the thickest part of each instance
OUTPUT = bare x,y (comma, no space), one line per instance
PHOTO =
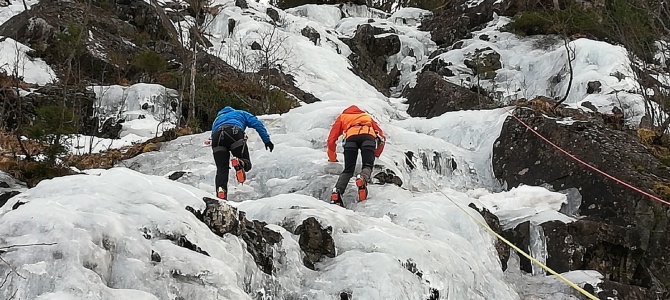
241,119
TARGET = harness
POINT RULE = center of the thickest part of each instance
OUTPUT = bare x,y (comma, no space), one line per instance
234,145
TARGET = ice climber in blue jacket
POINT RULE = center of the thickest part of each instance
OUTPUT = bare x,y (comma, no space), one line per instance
228,137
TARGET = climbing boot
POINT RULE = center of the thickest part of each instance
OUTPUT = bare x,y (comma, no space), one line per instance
221,194
336,198
362,188
239,170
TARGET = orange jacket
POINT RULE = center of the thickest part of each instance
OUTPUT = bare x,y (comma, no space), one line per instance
352,121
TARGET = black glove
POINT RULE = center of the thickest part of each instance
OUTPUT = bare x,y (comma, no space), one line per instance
269,145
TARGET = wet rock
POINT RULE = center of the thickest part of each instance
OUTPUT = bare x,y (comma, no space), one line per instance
242,4
176,175
223,219
388,176
315,241
432,96
589,105
593,87
256,46
370,54
440,67
111,128
456,19
5,196
273,14
311,34
484,63
155,256
622,233
493,222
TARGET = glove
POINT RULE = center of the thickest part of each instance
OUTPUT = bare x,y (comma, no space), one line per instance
269,145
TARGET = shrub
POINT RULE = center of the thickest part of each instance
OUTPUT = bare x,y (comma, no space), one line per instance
150,63
52,126
68,42
620,22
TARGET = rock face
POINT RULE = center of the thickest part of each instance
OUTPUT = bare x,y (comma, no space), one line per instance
52,28
456,19
621,233
493,222
315,241
311,34
433,96
225,219
370,54
484,63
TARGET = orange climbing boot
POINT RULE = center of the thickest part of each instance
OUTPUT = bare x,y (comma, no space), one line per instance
335,198
221,194
362,188
239,170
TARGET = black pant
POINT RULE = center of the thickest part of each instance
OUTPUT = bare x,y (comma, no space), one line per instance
366,144
226,140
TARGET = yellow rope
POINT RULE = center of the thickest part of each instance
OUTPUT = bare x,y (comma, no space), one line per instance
488,228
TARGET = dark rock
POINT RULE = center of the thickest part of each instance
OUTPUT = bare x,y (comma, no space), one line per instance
231,26
17,205
456,19
176,175
493,222
288,84
256,46
457,45
111,129
589,105
370,54
408,159
616,291
4,185
432,96
622,233
315,241
4,3
484,63
388,176
520,237
345,296
484,37
311,34
4,197
155,257
242,4
440,67
273,14
593,87
224,219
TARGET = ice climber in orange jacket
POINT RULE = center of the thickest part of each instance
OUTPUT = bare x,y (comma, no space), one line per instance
362,133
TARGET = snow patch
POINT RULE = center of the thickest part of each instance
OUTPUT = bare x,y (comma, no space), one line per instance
15,59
